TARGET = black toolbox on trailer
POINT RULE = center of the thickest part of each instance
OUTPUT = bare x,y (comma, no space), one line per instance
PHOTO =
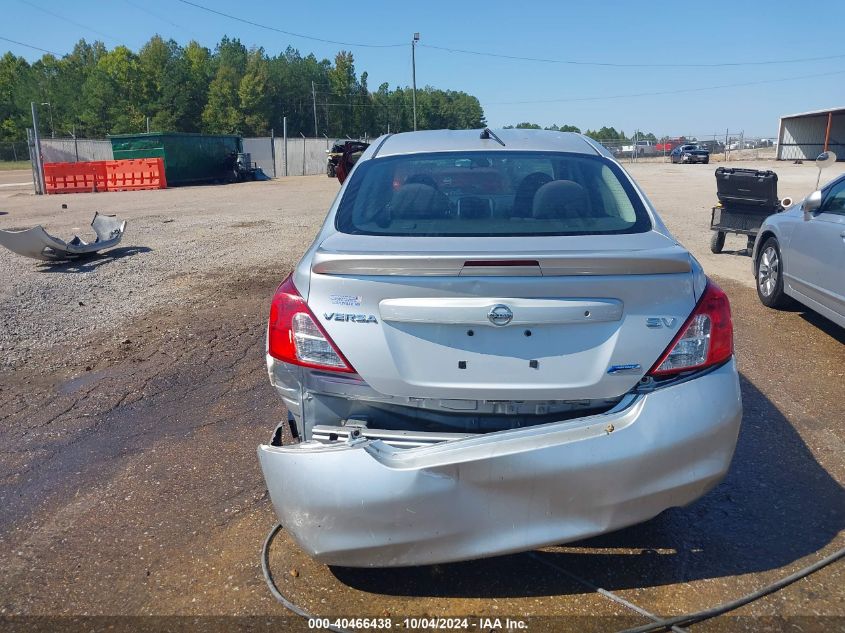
746,198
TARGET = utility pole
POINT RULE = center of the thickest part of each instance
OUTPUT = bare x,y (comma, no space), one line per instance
148,125
414,75
285,134
52,129
634,155
314,101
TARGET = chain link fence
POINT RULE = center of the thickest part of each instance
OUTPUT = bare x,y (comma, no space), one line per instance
13,151
57,150
733,146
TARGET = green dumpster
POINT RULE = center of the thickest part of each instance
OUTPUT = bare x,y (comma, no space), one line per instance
188,158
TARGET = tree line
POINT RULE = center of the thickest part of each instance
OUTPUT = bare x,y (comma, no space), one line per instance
94,91
604,134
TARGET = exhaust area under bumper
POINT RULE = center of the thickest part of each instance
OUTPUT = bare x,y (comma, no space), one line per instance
364,503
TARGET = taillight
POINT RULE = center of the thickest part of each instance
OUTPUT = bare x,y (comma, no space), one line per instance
294,336
706,339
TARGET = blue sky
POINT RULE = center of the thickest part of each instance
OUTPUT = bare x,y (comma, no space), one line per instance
607,32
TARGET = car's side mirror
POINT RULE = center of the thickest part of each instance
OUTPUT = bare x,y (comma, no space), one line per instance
812,202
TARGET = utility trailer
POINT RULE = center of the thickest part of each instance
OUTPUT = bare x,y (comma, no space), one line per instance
746,198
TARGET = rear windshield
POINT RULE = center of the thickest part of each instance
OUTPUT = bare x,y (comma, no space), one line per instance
490,194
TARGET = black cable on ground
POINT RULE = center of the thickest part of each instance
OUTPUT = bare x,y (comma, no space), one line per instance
271,584
712,612
653,627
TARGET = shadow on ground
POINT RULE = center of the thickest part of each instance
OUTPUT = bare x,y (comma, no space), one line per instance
777,505
739,252
92,262
827,326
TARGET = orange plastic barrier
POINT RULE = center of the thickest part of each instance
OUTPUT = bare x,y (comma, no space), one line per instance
134,174
105,175
75,177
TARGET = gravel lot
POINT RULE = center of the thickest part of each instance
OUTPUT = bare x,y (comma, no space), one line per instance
133,394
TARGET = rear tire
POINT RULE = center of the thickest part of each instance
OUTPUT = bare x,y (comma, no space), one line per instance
717,242
768,269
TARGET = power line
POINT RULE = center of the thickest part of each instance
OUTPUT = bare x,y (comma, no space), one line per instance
602,98
155,15
667,92
291,33
66,19
37,48
628,65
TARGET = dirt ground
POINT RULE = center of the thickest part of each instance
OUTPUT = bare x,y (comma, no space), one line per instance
133,394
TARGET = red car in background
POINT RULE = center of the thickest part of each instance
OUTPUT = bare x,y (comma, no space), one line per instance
668,145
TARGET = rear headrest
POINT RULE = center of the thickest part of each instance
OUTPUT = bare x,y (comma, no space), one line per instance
418,201
561,200
523,201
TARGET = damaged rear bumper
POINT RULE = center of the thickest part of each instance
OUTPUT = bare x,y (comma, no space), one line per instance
364,503
38,244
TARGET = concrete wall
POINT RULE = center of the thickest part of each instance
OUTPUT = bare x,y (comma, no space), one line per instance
803,137
66,150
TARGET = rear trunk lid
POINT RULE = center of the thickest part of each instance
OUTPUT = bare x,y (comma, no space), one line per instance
482,318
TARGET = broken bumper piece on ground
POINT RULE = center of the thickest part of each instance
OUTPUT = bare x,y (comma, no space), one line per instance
365,503
39,244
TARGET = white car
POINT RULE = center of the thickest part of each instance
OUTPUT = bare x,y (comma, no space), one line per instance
800,254
493,344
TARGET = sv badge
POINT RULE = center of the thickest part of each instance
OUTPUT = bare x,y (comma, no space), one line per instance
660,322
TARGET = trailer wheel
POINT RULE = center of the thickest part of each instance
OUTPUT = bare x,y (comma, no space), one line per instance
749,243
717,242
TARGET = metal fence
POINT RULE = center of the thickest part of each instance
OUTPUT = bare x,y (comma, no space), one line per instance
262,153
297,156
277,157
71,150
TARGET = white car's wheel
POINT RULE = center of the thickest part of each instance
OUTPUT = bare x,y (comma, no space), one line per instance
769,267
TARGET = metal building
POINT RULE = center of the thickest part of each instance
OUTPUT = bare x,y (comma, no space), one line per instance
806,135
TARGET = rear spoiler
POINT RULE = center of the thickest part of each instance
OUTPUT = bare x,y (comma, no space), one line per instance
670,260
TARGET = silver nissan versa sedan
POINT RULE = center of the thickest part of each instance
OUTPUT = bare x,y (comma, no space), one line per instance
494,344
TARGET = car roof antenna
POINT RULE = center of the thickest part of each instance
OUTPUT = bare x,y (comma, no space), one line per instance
487,134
